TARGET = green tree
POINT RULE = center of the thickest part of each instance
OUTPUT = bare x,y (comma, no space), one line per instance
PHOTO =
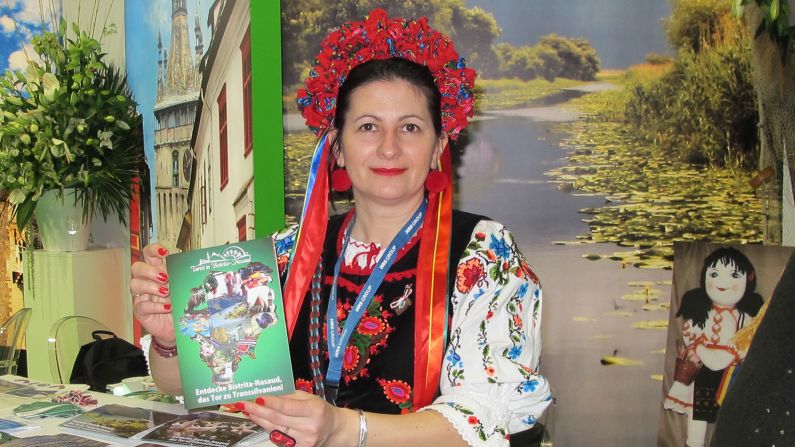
576,59
697,23
475,32
306,22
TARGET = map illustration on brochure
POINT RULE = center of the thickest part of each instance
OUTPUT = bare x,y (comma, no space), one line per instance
229,323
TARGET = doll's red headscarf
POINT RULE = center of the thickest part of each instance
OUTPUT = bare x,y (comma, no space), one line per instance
353,43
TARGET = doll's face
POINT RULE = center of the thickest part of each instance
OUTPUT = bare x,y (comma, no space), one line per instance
725,284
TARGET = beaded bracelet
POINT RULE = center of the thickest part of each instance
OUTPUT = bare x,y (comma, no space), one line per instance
164,351
362,429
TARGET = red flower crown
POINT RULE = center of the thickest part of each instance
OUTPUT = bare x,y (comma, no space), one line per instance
379,37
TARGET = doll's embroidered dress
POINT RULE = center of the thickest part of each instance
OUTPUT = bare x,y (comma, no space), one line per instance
718,352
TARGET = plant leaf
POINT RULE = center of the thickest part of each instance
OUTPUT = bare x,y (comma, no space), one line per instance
24,212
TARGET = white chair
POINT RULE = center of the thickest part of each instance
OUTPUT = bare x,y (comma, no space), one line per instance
12,333
66,337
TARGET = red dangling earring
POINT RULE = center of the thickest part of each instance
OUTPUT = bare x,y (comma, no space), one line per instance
340,181
436,181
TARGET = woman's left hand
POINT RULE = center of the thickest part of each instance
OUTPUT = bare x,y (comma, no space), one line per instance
307,418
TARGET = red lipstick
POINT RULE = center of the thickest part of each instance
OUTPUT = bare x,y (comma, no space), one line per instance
388,171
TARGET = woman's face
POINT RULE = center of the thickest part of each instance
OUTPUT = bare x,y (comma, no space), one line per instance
388,144
725,284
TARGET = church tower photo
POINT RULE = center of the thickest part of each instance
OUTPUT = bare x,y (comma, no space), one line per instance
178,84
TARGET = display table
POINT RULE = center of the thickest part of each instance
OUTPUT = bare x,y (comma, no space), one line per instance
89,283
51,425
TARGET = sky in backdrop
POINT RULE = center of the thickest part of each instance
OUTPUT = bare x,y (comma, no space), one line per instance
621,31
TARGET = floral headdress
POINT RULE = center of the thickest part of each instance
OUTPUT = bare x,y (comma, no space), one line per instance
379,37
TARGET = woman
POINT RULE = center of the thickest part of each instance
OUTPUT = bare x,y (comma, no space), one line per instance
442,311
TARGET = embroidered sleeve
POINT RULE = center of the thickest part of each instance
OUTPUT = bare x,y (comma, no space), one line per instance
284,243
490,383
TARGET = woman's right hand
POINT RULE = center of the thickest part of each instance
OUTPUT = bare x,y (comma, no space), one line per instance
150,291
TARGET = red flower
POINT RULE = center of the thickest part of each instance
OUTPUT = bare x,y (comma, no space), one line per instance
472,420
303,385
480,236
489,314
490,370
379,37
396,391
351,358
529,272
469,274
491,255
370,326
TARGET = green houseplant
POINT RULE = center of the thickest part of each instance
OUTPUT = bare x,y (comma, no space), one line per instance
69,123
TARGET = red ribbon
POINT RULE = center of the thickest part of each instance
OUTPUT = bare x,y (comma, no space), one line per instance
309,244
430,320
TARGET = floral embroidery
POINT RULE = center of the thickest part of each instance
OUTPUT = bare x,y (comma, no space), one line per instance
303,385
371,326
366,341
469,274
476,423
455,365
351,358
398,392
500,248
502,326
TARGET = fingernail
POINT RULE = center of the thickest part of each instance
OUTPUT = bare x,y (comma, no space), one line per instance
245,412
167,306
260,401
162,251
162,277
163,291
239,406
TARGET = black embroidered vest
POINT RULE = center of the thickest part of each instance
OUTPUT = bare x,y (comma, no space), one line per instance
378,367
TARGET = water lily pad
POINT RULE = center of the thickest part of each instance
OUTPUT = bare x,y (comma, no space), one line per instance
651,324
584,319
655,307
639,296
601,337
592,257
657,377
620,361
619,313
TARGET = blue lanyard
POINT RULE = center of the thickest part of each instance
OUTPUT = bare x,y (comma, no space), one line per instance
338,340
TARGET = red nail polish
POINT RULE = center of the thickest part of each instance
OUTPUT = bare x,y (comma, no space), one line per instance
162,277
163,291
245,413
167,306
260,401
239,406
162,251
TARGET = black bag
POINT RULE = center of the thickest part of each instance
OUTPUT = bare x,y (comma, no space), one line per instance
106,361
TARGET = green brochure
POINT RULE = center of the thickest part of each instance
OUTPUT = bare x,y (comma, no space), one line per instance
229,323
